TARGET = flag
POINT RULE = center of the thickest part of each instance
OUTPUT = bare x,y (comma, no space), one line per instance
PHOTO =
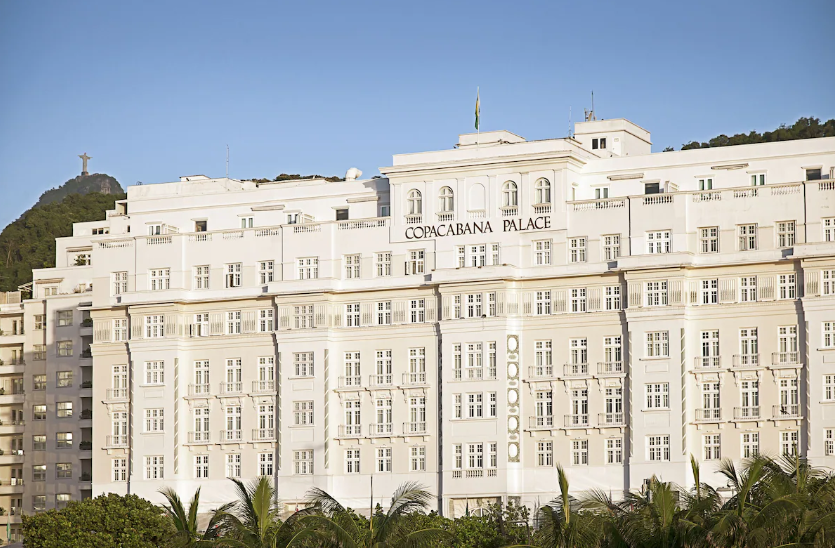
477,108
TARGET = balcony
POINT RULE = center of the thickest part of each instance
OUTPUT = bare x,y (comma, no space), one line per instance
199,390
116,394
231,387
199,437
263,387
350,382
380,429
446,216
510,211
116,441
541,422
746,413
12,486
414,219
541,209
414,428
231,436
611,419
12,427
263,434
575,369
576,421
786,411
708,415
541,372
707,362
414,379
610,368
350,430
380,380
746,361
785,359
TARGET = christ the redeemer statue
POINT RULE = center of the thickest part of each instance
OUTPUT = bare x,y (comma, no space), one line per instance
84,159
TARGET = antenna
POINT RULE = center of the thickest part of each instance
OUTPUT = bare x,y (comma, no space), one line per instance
590,113
569,122
227,161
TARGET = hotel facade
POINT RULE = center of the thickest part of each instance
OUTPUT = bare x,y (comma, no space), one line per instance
469,321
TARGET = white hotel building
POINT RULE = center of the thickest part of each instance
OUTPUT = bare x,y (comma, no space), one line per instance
471,320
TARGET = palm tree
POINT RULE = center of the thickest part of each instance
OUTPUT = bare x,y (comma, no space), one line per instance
562,525
185,520
334,525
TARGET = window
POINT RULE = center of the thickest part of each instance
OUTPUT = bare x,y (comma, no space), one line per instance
303,364
579,452
308,268
352,461
39,472
543,303
415,263
202,226
475,455
383,459
827,282
785,233
120,330
417,365
383,312
611,247
155,372
159,278
39,352
457,404
787,285
417,459
38,382
491,360
382,411
658,395
750,444
758,179
789,398
266,271
39,412
788,443
351,365
63,440
383,367
64,318
747,237
614,451
475,360
658,448
352,315
233,275
475,406
510,194
828,226
828,334
201,466
601,193
63,379
342,214
39,503
542,190
712,447
303,461
201,377
64,349
706,184
40,322
710,291
578,300
247,222
61,500
120,283
578,355
303,316
656,293
233,465
50,290
265,320
709,239
787,343
748,346
64,409
233,323
201,277
100,231
750,399
577,250
446,202
542,252
474,308
417,310
612,297
612,352
478,255
353,418
544,408
383,263
544,364
829,442
461,254
414,203
814,174
154,326
154,420
748,289
658,241
233,424
545,453
352,266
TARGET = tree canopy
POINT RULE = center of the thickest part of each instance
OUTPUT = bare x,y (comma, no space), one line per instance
803,128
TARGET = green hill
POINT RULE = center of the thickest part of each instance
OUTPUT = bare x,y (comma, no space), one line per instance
804,128
29,242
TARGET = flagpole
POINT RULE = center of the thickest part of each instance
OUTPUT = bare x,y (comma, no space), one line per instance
477,117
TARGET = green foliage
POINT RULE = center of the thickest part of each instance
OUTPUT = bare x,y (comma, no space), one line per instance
804,128
83,184
297,177
108,521
29,242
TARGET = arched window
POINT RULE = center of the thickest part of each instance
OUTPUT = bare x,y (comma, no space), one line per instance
446,200
543,191
510,194
414,203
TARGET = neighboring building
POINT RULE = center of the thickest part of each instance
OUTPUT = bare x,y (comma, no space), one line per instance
12,337
468,322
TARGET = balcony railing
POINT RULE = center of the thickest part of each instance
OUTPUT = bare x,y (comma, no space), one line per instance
745,413
414,219
609,368
263,434
414,427
708,414
541,209
380,429
742,361
414,378
231,387
199,437
541,371
611,419
262,387
510,211
116,394
707,362
199,389
576,421
116,440
786,411
384,379
575,369
785,358
445,216
231,435
350,430
350,382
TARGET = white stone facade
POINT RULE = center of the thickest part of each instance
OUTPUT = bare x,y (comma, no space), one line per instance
474,318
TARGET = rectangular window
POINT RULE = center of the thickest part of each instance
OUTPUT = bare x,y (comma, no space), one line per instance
383,263
475,406
578,300
612,294
266,271
303,316
788,286
39,352
64,318
475,361
829,387
201,277
828,334
658,395
119,469
40,322
417,459
748,289
709,292
352,315
544,408
658,241
577,250
39,443
415,262
247,222
155,372
542,252
307,268
383,459
201,466
478,255
828,226
658,344
475,455
233,465
233,275
750,444
120,283
757,179
302,460
63,379
461,255
233,323
159,278
543,354
614,451
611,247
709,239
64,409
154,326
266,320
383,362
543,303
827,282
712,447
706,184
545,453
747,237
829,442
383,309
120,330
154,420
303,364
38,382
64,349
474,308
785,233
579,452
417,310
352,266
788,443
39,412
63,440
658,448
352,461
491,360
656,293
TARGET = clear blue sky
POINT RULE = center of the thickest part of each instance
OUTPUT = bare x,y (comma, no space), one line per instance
153,90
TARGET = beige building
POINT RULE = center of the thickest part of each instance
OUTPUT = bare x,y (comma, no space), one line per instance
469,321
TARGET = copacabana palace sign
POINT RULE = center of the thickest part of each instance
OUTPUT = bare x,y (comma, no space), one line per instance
476,227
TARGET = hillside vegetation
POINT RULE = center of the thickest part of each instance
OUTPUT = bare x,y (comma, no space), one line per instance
804,128
97,182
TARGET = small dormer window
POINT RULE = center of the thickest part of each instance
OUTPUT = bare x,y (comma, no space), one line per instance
154,230
603,142
247,222
201,226
599,143
101,230
342,214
